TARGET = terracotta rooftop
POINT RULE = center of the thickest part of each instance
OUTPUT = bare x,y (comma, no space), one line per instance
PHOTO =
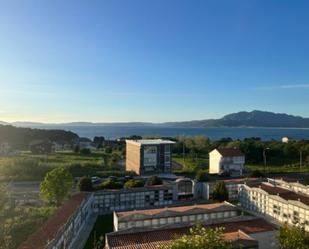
49,230
241,180
200,208
282,192
230,152
287,179
153,239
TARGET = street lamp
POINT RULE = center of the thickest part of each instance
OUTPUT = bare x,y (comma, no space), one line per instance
264,157
300,158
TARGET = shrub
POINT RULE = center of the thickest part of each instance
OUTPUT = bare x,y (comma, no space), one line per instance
202,176
85,184
134,184
256,174
110,184
154,180
85,152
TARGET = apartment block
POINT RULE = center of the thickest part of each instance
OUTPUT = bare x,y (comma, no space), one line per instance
149,156
275,202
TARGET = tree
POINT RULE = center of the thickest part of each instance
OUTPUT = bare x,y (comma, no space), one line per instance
256,174
201,237
98,141
56,185
85,184
293,237
76,149
154,180
115,157
134,184
201,176
220,192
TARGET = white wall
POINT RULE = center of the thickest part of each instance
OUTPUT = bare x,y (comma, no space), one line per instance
214,162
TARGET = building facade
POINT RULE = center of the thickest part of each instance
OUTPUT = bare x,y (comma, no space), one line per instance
276,203
65,227
227,160
149,156
155,218
107,201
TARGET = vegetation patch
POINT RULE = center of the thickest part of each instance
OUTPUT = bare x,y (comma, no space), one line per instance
103,225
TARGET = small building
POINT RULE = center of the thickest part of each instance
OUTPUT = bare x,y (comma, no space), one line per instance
285,140
227,160
5,148
182,215
149,156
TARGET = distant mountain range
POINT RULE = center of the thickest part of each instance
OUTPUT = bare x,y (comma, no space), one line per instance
240,119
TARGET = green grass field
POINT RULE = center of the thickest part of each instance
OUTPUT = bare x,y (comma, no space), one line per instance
191,164
27,166
293,168
103,225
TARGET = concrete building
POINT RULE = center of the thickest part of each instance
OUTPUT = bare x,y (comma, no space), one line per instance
275,203
227,160
291,184
107,201
149,156
184,215
64,228
232,186
243,233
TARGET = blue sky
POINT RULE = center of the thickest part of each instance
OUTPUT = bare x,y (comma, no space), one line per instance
163,60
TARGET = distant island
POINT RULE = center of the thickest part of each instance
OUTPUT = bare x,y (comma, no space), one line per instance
240,119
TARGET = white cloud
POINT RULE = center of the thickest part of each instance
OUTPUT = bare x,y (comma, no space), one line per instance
297,86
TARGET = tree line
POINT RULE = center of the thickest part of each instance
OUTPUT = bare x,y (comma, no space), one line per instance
277,152
21,138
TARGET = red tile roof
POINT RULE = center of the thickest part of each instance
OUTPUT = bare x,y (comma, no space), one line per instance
49,230
230,152
159,237
242,180
180,209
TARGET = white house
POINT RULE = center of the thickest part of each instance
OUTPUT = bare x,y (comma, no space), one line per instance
227,160
285,140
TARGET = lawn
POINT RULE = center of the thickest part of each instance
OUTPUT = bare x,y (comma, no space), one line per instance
191,164
27,166
103,225
293,168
